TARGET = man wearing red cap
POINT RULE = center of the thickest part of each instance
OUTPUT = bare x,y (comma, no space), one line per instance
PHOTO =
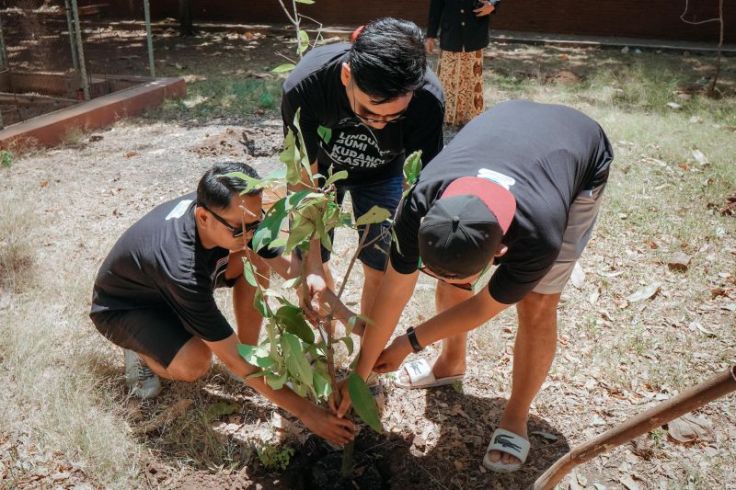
519,187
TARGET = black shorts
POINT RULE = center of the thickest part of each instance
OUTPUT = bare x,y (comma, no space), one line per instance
154,332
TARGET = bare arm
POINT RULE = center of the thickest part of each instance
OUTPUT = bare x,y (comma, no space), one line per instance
319,421
459,319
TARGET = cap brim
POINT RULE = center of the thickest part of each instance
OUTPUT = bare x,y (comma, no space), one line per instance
497,198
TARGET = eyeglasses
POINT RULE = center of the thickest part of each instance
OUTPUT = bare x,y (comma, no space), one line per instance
237,231
366,116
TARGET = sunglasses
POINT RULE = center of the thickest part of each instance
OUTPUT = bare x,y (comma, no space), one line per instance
237,231
366,116
465,286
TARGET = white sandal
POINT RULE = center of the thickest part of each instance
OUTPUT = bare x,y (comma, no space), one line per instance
507,442
421,376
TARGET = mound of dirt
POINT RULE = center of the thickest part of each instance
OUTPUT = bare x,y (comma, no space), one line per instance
261,141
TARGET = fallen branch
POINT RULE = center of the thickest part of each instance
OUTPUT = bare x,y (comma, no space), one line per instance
656,416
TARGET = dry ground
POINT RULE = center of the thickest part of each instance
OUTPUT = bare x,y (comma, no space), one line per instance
65,419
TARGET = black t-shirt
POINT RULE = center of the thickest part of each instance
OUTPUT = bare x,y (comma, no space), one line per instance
159,262
334,136
544,154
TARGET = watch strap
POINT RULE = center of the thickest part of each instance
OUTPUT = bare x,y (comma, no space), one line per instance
412,336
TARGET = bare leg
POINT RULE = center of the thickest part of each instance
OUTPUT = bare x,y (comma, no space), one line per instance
451,361
189,364
534,350
371,282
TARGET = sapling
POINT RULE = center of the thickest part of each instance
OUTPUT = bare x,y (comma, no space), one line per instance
291,352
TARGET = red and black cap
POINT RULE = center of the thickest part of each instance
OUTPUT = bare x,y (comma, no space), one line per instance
463,229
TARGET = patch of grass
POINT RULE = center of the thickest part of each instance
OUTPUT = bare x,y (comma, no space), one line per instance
73,137
16,257
190,439
6,158
230,99
71,414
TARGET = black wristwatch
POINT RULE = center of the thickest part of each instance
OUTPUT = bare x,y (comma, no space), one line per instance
412,336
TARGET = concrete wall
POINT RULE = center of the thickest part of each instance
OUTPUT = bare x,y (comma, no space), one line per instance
658,19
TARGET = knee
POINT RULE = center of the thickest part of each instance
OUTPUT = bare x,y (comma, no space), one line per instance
538,312
191,363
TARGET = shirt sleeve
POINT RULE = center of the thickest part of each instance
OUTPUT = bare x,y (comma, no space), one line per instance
194,304
425,130
435,16
291,102
405,247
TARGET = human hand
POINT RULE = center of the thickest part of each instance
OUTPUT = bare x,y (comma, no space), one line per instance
393,355
310,296
345,402
486,9
429,44
328,426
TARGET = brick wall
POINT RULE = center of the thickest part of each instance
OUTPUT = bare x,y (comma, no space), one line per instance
659,19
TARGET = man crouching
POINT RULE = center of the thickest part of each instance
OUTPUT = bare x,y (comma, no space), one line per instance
153,295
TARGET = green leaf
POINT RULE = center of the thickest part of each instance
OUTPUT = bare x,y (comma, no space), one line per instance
256,356
269,229
348,341
322,386
395,240
289,158
325,134
412,167
248,352
292,283
324,237
301,230
267,234
276,381
296,360
306,2
251,182
303,43
293,320
278,242
260,304
363,402
341,175
278,174
285,68
299,388
376,214
249,273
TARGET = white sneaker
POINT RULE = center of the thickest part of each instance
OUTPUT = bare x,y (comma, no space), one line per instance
141,381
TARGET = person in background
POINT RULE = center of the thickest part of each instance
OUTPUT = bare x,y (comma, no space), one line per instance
462,26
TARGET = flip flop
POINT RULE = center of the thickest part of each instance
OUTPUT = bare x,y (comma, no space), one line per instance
421,376
507,442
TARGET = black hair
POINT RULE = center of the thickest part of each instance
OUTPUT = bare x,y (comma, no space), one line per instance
387,59
216,188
